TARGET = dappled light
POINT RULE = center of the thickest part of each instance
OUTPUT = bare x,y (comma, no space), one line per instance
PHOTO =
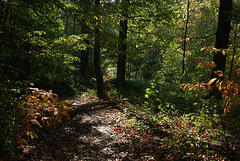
119,80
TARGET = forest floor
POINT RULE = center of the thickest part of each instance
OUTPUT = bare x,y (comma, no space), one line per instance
105,133
99,133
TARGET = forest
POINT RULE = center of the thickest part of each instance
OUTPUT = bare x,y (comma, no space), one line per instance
120,80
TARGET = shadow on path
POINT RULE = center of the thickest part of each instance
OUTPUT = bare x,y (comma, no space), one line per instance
93,134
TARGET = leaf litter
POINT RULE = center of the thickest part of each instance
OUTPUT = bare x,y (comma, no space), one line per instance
99,133
105,133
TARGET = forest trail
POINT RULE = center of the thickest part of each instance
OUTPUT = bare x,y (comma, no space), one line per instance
99,133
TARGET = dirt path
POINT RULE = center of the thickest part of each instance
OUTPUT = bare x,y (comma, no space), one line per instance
100,133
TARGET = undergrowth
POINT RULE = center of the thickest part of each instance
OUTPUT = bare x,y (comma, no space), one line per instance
24,109
185,126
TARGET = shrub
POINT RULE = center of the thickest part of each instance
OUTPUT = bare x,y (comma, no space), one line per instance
22,108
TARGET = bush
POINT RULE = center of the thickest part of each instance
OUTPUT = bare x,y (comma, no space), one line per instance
169,96
21,109
9,115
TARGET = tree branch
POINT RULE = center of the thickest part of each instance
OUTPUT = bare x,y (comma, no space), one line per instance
202,37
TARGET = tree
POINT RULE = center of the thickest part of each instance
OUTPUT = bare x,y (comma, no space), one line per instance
25,31
122,47
222,37
85,53
97,64
149,24
222,40
185,37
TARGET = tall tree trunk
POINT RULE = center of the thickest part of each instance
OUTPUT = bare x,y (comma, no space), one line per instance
98,71
85,53
222,36
121,64
222,40
185,38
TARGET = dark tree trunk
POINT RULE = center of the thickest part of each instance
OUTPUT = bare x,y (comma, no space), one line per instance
222,40
185,38
85,53
121,64
98,71
222,36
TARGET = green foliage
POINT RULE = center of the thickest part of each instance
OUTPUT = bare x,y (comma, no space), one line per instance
27,50
194,131
9,116
168,97
133,89
57,64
